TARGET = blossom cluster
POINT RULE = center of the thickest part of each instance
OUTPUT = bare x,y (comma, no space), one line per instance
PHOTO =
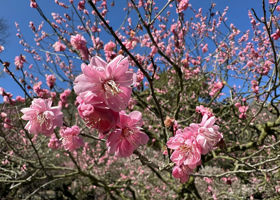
104,90
190,143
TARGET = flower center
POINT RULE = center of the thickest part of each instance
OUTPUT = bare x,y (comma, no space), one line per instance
126,132
111,87
185,148
41,119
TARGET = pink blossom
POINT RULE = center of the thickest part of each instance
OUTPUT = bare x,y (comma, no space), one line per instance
79,43
19,61
186,149
109,50
63,97
54,143
208,134
204,110
42,117
81,5
1,48
58,46
50,80
20,99
216,87
95,115
181,172
71,139
43,93
183,5
33,4
108,81
128,135
242,110
205,48
255,86
272,1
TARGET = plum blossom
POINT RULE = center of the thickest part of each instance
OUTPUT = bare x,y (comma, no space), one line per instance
110,82
208,134
109,50
19,61
33,4
95,115
1,48
70,138
183,5
187,151
128,135
216,87
272,1
190,143
243,110
182,172
63,97
54,142
42,117
58,46
50,80
204,110
80,43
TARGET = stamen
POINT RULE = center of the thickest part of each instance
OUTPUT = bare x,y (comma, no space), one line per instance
111,87
41,119
126,132
185,148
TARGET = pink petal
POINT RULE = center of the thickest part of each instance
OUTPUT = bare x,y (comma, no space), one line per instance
99,62
82,84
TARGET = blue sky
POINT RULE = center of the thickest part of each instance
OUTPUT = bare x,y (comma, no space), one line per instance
19,11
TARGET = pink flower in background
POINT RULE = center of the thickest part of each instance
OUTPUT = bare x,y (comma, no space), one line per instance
110,82
204,110
50,80
205,48
183,5
216,87
208,134
186,149
181,172
43,93
70,138
242,110
80,43
42,117
63,97
272,1
1,48
20,99
255,86
128,135
54,142
33,4
58,46
19,61
109,50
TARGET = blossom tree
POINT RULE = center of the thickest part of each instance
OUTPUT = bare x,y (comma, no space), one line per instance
167,102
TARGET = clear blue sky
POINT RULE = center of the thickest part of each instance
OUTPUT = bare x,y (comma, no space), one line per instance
19,11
